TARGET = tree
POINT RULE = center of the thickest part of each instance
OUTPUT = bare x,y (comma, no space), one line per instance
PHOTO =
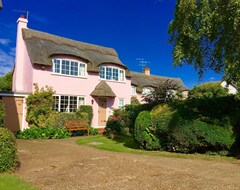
6,82
165,91
205,34
208,90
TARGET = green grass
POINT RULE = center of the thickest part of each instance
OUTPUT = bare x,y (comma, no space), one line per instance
126,144
11,182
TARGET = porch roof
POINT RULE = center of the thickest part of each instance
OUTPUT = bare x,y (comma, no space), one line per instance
103,90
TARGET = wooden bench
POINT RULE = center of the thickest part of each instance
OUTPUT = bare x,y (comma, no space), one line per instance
77,125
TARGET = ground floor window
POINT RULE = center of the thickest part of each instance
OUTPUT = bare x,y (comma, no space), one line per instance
121,102
68,103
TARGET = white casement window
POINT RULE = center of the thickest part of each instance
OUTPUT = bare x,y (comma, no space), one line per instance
134,90
147,90
110,73
68,103
69,67
121,102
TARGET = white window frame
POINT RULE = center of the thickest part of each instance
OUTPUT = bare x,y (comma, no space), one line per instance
67,109
121,100
147,90
120,74
70,66
133,90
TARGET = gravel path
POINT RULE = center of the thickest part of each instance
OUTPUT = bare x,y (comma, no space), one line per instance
64,165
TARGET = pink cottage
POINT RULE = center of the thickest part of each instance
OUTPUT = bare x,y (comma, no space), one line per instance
80,74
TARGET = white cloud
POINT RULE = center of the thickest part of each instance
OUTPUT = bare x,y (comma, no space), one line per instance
4,41
6,61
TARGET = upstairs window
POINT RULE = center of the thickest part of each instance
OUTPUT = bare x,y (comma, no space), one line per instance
147,90
69,67
110,73
121,103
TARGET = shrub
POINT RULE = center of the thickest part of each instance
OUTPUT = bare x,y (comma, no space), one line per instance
8,150
198,136
144,133
39,106
58,119
43,133
2,113
134,100
93,131
87,109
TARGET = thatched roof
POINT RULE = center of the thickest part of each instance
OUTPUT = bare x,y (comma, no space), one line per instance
42,47
141,80
103,89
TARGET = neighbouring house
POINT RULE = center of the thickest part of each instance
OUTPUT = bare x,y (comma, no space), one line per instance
80,74
232,88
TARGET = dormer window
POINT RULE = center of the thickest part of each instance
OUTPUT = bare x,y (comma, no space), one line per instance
111,73
147,90
69,67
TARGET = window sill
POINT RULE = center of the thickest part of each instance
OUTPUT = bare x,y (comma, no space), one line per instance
122,82
62,75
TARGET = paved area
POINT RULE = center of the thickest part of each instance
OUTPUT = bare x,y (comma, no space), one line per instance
64,165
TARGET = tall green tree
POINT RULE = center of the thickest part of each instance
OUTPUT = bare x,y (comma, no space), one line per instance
206,34
6,82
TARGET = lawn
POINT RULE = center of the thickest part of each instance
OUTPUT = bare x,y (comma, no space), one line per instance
11,182
126,144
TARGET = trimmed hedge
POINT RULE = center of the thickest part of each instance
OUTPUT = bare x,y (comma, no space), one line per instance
86,109
43,133
144,133
8,150
2,113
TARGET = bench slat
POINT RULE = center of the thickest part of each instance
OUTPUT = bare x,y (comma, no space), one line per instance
77,125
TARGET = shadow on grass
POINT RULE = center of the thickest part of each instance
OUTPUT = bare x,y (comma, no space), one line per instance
127,141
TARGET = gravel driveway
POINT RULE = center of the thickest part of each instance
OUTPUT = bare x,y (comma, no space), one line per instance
64,165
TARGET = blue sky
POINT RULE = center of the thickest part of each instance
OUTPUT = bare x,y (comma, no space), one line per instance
134,28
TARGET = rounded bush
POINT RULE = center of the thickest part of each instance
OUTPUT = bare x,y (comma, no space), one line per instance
144,133
8,150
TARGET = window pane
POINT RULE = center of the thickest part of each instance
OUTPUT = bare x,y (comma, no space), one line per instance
133,90
56,66
65,67
102,72
64,104
56,103
82,69
122,75
115,74
74,68
73,104
109,73
81,101
120,102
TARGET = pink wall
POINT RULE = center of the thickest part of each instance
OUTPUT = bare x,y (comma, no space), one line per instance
22,76
77,86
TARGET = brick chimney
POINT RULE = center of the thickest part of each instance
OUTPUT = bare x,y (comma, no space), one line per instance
146,71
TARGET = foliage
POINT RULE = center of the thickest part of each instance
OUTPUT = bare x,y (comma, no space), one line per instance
39,106
2,113
93,131
144,132
43,133
131,112
164,92
116,123
199,136
205,34
12,182
208,90
8,150
6,82
58,119
134,100
86,109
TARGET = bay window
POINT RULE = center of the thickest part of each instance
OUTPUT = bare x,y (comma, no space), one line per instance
110,73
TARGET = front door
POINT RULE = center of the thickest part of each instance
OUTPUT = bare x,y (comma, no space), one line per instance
102,108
